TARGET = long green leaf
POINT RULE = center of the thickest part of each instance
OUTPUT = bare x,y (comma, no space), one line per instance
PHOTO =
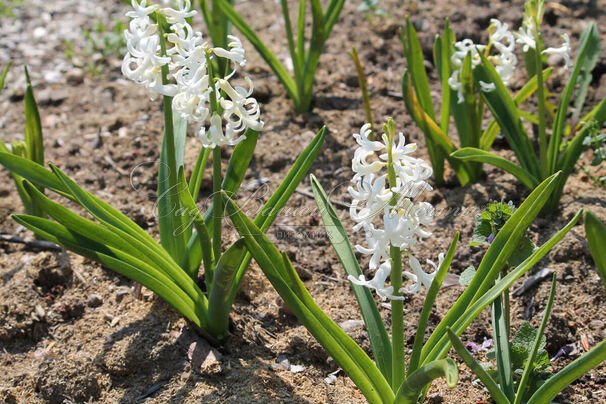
34,173
276,202
495,392
119,262
173,233
535,346
558,382
432,293
440,349
500,331
219,306
586,44
473,154
355,362
195,181
492,130
417,380
263,50
115,238
234,175
377,334
596,237
506,114
3,76
33,127
585,76
494,259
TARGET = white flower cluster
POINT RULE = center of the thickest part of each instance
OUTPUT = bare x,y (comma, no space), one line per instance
526,37
505,61
402,221
186,58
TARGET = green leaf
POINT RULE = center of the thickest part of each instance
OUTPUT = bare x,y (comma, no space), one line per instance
500,329
507,116
195,181
596,237
586,44
492,263
473,154
219,305
377,334
234,175
466,276
173,230
33,128
119,262
585,76
523,250
284,279
410,390
278,199
430,299
3,76
34,173
116,239
266,54
462,321
538,359
558,382
495,392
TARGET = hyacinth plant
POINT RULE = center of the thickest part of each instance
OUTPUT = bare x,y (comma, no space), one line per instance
461,97
559,145
32,148
388,182
304,59
522,375
168,58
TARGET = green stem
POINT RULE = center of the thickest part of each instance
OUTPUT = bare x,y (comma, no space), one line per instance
217,203
397,321
217,175
397,306
541,105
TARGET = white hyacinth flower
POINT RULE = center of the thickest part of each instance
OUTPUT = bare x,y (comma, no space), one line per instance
563,50
373,201
505,62
187,57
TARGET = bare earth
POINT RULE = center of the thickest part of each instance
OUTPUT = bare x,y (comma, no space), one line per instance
72,331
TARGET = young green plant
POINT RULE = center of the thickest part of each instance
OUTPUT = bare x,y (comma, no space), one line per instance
527,355
33,146
460,95
554,153
388,379
305,59
228,116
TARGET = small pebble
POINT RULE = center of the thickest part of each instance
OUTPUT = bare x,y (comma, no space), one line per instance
94,300
74,77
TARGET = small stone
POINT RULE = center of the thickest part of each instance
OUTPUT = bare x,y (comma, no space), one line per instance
351,325
94,300
296,368
597,324
74,77
282,363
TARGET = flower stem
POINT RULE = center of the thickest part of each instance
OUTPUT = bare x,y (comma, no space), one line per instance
217,175
397,306
541,104
218,203
397,320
